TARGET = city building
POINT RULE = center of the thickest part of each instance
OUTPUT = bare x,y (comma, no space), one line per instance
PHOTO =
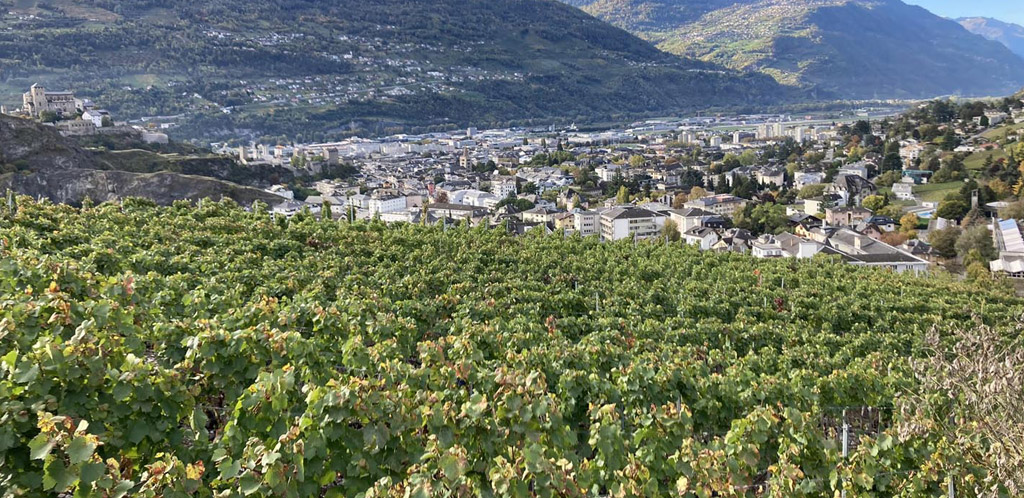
722,204
630,222
587,223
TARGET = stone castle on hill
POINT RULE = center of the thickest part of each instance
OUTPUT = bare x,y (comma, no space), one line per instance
37,101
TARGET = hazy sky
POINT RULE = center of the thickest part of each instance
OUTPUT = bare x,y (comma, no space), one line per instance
1004,10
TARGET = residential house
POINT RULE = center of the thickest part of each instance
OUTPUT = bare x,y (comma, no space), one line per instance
771,176
702,237
846,216
805,178
96,116
853,189
903,191
734,240
686,219
455,211
539,215
722,204
861,250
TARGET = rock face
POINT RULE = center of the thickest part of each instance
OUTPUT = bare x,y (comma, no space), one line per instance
38,161
26,144
72,186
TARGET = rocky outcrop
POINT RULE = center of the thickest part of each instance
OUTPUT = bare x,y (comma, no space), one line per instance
35,160
72,186
28,145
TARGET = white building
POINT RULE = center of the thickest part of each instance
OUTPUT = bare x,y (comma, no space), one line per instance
609,172
630,222
723,204
96,116
477,198
702,237
805,178
587,223
903,191
385,204
504,187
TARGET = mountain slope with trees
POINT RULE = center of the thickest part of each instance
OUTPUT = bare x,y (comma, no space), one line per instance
837,48
315,69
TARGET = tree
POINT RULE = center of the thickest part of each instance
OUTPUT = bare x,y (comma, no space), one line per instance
106,122
812,191
888,179
944,241
622,197
698,192
977,238
909,222
952,209
895,238
763,218
1000,189
874,202
679,200
748,158
441,198
892,160
950,140
1013,211
637,161
49,117
671,231
980,378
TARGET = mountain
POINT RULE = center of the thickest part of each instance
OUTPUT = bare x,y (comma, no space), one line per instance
1009,34
840,48
313,69
35,160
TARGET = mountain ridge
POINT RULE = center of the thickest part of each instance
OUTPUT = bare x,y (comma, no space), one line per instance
843,48
1009,34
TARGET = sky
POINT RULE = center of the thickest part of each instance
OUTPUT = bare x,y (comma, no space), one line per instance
1004,10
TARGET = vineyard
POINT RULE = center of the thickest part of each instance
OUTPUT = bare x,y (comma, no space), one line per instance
201,351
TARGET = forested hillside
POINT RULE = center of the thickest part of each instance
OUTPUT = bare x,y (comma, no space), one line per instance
152,351
315,69
839,48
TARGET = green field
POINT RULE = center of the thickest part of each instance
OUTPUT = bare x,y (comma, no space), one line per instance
976,160
935,192
999,132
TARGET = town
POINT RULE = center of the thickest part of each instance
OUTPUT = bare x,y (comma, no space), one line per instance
864,186
768,186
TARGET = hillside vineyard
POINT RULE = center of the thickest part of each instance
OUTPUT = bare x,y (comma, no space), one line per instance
150,351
